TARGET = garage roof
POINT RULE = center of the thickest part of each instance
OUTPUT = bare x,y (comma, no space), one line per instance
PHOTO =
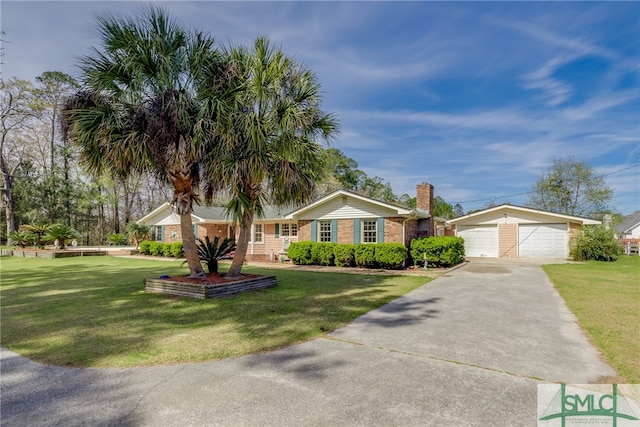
505,207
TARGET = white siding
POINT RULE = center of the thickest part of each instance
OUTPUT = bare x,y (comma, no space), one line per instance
347,207
510,216
169,219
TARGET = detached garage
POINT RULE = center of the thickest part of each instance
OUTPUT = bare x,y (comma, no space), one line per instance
509,231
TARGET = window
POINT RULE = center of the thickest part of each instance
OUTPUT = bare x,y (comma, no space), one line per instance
288,230
157,231
258,235
324,231
369,231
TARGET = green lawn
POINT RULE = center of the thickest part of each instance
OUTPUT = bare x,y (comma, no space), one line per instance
93,311
605,297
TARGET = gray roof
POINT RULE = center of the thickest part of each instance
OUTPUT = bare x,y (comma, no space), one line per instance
217,213
629,222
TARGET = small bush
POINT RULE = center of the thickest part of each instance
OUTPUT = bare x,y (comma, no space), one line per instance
166,250
597,243
322,253
344,255
365,255
177,250
442,251
390,255
145,247
156,248
210,252
300,253
117,239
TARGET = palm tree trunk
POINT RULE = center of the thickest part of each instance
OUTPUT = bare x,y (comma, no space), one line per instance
189,246
241,249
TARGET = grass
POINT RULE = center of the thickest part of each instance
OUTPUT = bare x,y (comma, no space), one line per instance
605,297
93,311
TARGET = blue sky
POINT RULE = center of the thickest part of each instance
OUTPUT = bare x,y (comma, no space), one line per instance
476,98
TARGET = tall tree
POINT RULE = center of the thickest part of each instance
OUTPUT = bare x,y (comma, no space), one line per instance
268,152
149,104
442,209
570,186
16,108
54,87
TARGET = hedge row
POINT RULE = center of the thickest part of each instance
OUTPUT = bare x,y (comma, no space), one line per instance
378,255
442,251
174,250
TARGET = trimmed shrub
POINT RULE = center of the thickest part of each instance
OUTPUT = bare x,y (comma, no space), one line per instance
300,253
117,239
166,250
442,251
390,255
177,250
597,243
156,248
145,247
322,253
344,255
365,255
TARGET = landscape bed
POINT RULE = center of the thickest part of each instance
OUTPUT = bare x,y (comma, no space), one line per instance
212,287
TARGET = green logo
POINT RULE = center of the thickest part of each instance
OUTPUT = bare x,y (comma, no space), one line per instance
586,404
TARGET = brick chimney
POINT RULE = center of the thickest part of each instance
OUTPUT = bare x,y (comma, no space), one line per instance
424,202
424,197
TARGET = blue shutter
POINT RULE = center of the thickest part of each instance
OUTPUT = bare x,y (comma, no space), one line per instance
356,231
314,230
334,230
277,230
161,233
195,230
380,230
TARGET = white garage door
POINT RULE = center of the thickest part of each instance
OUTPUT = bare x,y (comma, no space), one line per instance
542,241
479,240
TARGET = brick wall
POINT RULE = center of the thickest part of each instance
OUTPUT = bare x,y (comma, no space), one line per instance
411,231
345,231
393,230
168,229
507,240
304,231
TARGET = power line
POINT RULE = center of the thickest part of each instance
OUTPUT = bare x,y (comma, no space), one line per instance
530,192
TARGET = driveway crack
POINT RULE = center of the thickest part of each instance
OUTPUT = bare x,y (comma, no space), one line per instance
439,359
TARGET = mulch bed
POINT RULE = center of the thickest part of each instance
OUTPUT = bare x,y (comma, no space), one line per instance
211,279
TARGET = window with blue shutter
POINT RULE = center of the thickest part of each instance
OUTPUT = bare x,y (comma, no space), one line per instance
380,230
334,230
314,230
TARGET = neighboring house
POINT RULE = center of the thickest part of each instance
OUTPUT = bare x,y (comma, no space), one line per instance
340,217
629,228
509,231
628,231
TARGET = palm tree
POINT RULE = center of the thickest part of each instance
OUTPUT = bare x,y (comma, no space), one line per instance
268,151
149,104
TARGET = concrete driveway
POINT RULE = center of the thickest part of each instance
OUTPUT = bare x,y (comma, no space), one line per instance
468,349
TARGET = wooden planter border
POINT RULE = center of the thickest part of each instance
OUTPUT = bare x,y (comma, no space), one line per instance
221,290
44,253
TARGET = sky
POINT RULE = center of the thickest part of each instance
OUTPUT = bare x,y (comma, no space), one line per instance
476,98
